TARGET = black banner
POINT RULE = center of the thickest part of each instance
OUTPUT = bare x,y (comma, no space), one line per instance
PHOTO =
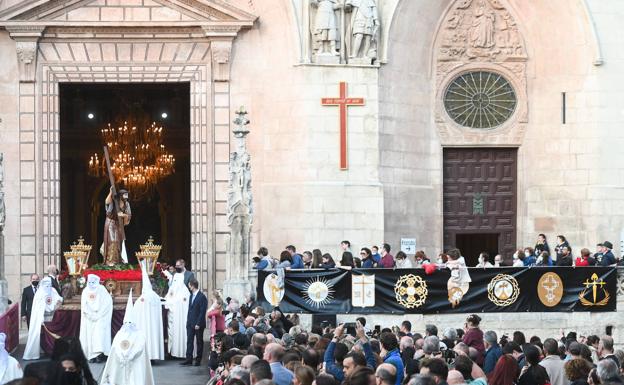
399,291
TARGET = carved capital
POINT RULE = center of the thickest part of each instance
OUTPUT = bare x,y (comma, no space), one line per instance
26,43
220,51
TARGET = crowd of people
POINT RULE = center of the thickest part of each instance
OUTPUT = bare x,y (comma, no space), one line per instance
375,257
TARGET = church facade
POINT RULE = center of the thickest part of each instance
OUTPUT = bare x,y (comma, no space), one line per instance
467,119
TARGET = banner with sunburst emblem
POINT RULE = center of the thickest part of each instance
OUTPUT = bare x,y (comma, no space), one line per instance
398,291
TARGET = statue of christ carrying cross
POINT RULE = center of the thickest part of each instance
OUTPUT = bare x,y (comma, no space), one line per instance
114,234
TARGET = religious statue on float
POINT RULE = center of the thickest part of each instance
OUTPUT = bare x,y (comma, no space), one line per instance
364,26
118,214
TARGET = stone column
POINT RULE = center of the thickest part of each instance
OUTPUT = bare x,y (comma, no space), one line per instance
240,214
4,292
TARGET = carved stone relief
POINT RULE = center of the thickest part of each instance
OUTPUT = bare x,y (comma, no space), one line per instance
480,35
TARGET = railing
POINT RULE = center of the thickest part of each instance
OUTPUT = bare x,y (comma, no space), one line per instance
9,325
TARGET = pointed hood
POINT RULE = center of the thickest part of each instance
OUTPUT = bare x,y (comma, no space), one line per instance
129,316
147,284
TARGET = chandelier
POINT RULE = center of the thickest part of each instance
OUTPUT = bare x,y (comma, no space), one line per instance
138,158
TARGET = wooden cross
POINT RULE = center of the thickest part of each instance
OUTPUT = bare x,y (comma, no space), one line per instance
343,102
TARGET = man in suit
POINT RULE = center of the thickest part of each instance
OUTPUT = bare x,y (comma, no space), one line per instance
27,297
273,353
195,323
180,267
53,273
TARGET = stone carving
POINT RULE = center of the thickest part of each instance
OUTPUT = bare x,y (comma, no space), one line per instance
221,50
325,27
2,206
27,59
480,30
364,25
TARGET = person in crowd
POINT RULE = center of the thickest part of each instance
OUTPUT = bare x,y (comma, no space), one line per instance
28,294
328,262
176,301
376,255
96,312
195,324
553,363
53,275
180,268
262,259
386,374
10,369
421,258
273,354
435,368
304,375
367,258
455,378
390,353
593,341
296,259
544,259
317,259
406,328
307,259
605,350
250,300
128,362
285,261
345,246
387,260
498,260
493,351
471,372
513,349
67,371
607,374
533,373
402,261
347,261
577,370
260,370
605,256
561,243
335,355
566,258
449,337
541,245
517,258
215,320
45,302
529,257
505,372
484,260
473,336
585,259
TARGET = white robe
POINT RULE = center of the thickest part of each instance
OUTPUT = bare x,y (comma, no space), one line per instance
95,321
148,314
45,301
128,363
10,369
177,303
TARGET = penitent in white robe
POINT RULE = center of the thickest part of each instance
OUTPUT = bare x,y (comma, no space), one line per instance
128,363
148,314
96,306
10,369
45,301
177,303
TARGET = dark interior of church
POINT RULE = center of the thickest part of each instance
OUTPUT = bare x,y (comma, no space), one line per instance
162,212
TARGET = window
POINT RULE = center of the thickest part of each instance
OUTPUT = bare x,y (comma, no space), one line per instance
480,99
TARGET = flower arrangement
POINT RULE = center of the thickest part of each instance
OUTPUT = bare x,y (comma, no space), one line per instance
117,272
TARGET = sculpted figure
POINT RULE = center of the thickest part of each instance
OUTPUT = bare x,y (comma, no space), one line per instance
325,29
364,27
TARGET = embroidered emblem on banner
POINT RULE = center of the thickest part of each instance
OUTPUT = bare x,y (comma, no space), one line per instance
273,289
550,289
503,290
594,293
411,291
363,290
455,295
318,292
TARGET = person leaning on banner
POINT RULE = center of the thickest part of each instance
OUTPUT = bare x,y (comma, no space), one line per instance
585,259
262,260
297,260
387,260
605,256
27,298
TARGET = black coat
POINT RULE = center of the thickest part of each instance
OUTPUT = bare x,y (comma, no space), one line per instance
197,311
55,285
27,300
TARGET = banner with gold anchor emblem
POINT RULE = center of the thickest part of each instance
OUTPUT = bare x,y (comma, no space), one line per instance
399,291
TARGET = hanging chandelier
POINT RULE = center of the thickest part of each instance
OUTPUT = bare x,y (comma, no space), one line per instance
138,158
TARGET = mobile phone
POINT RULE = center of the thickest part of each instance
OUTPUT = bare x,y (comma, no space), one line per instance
350,328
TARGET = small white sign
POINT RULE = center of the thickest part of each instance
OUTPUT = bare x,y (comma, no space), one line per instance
408,245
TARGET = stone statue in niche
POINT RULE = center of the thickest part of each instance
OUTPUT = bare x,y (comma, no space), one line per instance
325,27
363,28
482,33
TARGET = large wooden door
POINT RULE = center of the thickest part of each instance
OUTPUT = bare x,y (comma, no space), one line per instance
479,195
